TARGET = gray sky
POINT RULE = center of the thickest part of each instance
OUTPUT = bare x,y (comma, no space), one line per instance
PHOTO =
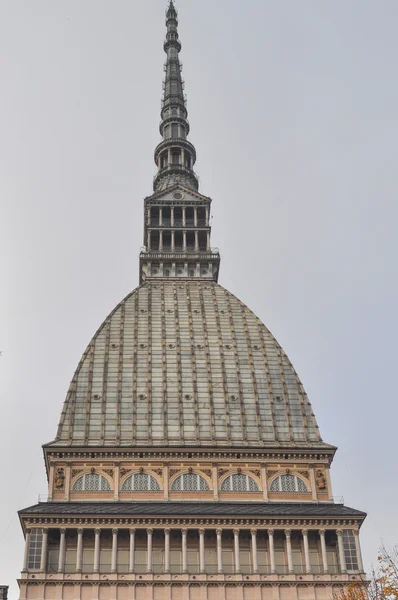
294,114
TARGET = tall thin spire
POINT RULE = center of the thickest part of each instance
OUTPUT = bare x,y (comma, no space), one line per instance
177,226
175,156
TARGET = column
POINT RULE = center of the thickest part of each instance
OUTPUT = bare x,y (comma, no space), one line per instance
67,482
184,551
202,567
329,484
184,221
160,240
26,553
167,550
169,156
61,560
358,549
323,551
289,551
132,551
196,240
343,565
264,482
236,551
313,483
208,240
172,241
195,216
184,237
43,557
166,481
219,550
149,550
254,550
117,481
215,481
114,551
79,551
160,216
306,551
271,550
172,216
97,550
51,482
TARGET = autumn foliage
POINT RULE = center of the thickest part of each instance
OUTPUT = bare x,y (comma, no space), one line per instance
382,583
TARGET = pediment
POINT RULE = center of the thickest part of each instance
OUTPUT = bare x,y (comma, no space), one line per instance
171,195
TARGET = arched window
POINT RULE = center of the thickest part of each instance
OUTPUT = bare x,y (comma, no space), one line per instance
190,482
91,483
141,482
238,482
288,483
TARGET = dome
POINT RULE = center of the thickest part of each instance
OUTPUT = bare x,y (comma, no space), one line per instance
185,364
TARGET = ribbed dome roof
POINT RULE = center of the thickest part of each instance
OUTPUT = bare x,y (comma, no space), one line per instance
185,364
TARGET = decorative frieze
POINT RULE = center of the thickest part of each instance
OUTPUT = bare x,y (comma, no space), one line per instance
177,522
320,480
59,480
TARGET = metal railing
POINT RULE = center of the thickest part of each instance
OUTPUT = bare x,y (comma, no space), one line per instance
176,569
338,499
177,223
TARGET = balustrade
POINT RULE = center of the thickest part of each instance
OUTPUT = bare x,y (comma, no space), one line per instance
205,551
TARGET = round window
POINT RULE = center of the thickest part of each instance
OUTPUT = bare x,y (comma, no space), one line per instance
178,196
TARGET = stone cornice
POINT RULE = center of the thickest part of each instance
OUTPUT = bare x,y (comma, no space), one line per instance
190,523
211,581
313,455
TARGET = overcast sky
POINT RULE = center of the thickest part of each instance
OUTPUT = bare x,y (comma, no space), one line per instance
294,114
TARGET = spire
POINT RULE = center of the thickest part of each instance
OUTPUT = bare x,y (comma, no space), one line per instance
177,226
174,156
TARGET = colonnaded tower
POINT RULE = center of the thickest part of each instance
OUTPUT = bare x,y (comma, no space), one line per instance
188,463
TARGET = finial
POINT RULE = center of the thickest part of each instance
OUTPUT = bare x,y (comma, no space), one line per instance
171,11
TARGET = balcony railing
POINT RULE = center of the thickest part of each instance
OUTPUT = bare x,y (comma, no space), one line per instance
212,253
177,223
176,569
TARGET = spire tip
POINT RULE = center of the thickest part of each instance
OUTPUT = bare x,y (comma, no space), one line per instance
171,10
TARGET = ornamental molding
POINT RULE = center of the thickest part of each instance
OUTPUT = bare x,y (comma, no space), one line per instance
76,472
59,479
178,523
207,472
320,480
259,581
187,454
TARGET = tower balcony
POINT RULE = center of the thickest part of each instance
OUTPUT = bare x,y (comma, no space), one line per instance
175,143
212,253
172,43
174,119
